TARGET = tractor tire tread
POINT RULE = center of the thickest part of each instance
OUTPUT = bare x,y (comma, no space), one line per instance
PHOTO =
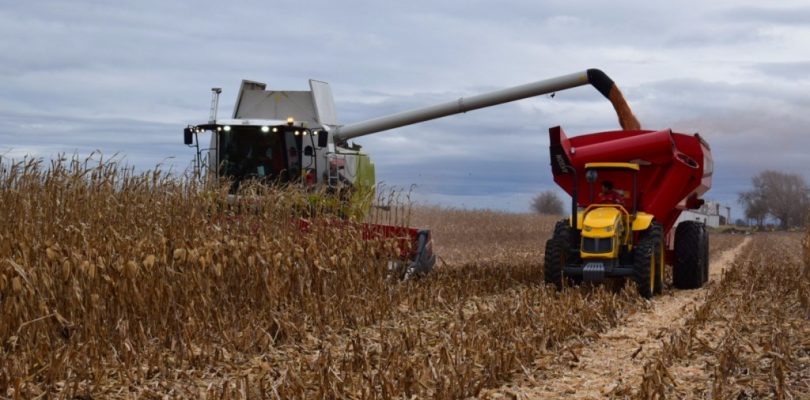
649,243
557,253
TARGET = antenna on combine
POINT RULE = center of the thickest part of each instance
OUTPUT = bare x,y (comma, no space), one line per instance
214,104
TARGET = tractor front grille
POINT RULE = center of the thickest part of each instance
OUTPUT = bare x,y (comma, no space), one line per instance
597,245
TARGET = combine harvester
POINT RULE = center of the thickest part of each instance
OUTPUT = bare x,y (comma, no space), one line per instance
294,137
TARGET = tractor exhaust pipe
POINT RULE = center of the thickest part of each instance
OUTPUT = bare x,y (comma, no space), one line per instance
595,77
574,198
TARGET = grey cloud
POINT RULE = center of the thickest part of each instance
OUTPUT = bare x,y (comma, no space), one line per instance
142,144
714,36
770,15
793,71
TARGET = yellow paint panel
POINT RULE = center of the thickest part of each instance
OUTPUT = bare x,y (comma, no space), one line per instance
620,165
602,217
642,221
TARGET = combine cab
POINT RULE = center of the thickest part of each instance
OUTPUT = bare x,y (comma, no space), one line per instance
628,189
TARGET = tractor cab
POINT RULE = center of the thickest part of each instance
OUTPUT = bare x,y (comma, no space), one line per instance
612,183
606,221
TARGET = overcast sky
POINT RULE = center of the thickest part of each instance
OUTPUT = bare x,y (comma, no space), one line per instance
126,78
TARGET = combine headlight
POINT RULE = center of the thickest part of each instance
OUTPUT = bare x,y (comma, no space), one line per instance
275,129
297,133
265,129
227,128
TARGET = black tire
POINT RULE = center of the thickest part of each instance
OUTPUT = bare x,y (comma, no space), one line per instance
647,257
558,254
660,255
690,268
705,244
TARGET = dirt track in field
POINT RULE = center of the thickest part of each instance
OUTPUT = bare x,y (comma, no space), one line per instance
611,365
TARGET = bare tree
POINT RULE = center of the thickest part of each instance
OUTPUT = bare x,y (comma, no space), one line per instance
547,203
756,207
780,195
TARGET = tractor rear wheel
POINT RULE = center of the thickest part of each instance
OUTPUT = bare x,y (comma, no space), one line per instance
558,253
648,261
690,269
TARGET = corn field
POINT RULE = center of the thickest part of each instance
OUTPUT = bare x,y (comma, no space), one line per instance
116,284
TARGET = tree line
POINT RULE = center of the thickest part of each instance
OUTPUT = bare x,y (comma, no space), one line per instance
782,196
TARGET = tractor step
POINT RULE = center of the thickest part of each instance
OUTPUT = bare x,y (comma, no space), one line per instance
593,272
597,271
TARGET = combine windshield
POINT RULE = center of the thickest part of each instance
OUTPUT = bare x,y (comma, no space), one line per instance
277,155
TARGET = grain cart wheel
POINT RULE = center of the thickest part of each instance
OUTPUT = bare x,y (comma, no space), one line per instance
705,245
647,261
690,251
558,253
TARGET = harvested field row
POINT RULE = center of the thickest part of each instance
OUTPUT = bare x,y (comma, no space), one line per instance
720,242
750,338
445,354
609,365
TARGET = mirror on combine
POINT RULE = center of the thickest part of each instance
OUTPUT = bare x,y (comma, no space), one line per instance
188,137
591,175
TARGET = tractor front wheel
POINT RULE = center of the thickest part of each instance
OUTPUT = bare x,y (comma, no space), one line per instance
648,261
558,254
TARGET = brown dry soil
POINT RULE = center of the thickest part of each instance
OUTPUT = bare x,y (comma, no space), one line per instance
611,365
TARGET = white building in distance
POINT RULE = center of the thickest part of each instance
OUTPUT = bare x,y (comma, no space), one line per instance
713,214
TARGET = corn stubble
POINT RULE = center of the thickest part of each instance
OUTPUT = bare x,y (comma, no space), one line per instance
110,278
750,338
